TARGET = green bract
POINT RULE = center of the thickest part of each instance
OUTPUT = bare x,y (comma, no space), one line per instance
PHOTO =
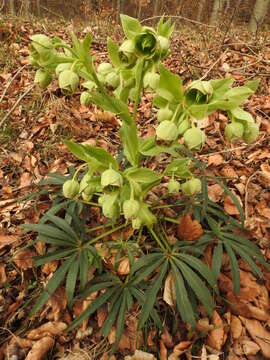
85,98
62,67
111,177
191,187
136,223
234,130
173,186
151,80
146,43
194,139
183,127
42,78
199,92
251,133
104,68
167,131
131,209
164,114
112,79
164,45
71,189
68,82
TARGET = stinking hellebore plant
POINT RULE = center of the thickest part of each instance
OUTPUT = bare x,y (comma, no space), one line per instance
121,189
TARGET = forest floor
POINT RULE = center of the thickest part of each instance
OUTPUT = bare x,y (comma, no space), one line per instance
32,126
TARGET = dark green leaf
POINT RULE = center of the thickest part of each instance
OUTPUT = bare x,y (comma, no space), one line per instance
234,267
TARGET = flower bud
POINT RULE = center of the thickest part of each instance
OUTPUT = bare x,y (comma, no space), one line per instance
68,82
112,79
85,186
109,210
183,127
173,186
71,189
131,209
85,98
62,67
104,68
136,223
126,51
199,92
86,197
151,80
111,177
194,139
101,78
146,43
164,44
234,130
42,78
164,114
251,133
191,187
167,131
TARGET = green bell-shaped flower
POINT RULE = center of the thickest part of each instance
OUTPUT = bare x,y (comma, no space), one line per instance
131,208
136,223
86,186
164,114
191,187
251,133
62,67
126,52
86,197
68,82
146,217
198,92
194,139
112,79
173,186
42,78
85,98
183,127
104,68
234,131
71,188
151,80
167,131
111,177
146,43
42,51
164,45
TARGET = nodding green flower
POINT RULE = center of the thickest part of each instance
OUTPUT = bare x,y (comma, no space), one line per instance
199,92
86,197
62,67
110,207
42,51
146,43
151,80
251,132
68,82
173,186
194,139
85,186
71,188
126,52
131,208
167,131
136,223
111,177
191,187
112,79
42,78
183,127
164,114
234,130
85,98
104,68
164,45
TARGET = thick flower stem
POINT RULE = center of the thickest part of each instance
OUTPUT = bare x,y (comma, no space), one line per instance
158,239
109,232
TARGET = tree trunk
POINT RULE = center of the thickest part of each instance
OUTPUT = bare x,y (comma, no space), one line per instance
156,7
215,12
38,8
12,9
257,17
200,9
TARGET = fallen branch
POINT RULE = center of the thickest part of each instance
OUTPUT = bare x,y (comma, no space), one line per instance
11,81
178,17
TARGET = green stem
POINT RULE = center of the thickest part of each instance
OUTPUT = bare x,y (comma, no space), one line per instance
172,220
138,95
156,238
91,241
100,227
91,203
176,112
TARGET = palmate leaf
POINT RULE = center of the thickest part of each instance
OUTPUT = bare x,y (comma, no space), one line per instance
217,259
56,255
120,321
50,232
71,282
234,267
84,265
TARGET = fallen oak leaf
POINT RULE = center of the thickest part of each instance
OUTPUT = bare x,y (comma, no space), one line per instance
215,160
236,327
141,355
216,337
40,348
215,192
189,229
162,350
169,295
182,348
6,240
52,328
24,259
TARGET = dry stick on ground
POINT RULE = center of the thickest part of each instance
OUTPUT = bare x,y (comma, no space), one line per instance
16,104
213,65
178,17
11,81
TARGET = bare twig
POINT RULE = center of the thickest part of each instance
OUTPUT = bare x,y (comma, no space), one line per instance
16,104
213,65
179,17
11,81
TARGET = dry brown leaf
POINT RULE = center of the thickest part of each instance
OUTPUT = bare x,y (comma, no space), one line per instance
3,277
123,268
182,347
229,172
24,259
230,207
6,240
236,327
204,326
215,192
141,355
124,342
216,337
52,328
215,160
102,313
58,302
40,348
169,295
162,351
189,229
167,338
25,180
259,334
